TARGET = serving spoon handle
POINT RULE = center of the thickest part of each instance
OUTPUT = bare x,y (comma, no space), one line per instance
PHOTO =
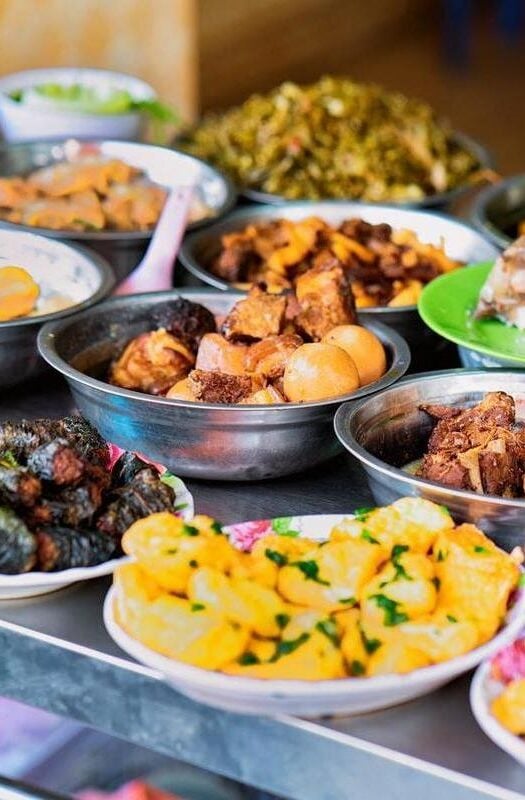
154,272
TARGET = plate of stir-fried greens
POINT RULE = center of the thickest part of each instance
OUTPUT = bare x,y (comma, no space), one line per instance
67,498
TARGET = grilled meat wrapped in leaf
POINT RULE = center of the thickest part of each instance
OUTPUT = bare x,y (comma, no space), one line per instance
126,468
74,506
23,437
186,321
18,487
145,494
62,548
17,544
56,462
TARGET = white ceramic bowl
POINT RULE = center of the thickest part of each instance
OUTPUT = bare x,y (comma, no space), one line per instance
307,698
20,122
483,690
32,584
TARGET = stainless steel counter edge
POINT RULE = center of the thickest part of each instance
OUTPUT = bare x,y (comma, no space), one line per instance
290,757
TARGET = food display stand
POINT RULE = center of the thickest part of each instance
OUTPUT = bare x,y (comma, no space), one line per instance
57,655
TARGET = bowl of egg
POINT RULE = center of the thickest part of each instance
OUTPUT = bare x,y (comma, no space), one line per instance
194,380
41,280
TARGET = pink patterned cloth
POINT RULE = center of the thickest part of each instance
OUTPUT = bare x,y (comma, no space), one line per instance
245,534
509,663
134,790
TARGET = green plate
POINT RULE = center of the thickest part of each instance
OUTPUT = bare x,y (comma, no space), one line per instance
447,304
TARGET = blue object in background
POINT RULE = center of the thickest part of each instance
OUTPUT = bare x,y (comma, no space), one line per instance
457,23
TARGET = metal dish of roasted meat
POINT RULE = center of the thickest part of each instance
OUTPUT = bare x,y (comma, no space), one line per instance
455,437
67,498
203,429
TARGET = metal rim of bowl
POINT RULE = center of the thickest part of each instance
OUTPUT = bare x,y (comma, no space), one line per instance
476,149
479,215
107,283
109,236
194,267
47,349
346,413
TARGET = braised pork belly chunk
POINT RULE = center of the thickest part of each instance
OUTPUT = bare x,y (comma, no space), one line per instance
185,358
480,449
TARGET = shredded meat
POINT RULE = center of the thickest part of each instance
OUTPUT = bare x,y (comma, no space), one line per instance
217,387
325,298
261,314
478,448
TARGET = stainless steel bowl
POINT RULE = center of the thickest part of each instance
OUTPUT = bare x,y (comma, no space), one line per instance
499,209
437,201
462,243
200,440
122,249
72,271
388,431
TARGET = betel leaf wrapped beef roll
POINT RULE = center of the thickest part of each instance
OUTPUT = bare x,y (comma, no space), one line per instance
63,548
17,544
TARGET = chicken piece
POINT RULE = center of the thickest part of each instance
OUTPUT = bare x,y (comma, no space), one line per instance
396,657
353,643
509,707
135,206
217,354
476,578
88,173
258,316
503,294
440,636
16,193
259,569
216,387
307,651
330,578
80,212
174,626
258,608
169,549
402,590
188,322
325,298
151,363
268,357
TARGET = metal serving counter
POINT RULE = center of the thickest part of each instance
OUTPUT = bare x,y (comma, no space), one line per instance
55,654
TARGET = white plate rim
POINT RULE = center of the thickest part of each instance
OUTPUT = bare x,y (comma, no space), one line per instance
479,704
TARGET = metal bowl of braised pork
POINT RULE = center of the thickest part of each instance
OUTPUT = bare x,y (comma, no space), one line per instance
499,211
456,437
212,439
41,280
386,290
112,213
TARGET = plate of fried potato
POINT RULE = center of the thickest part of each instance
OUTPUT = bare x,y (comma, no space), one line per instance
497,698
313,615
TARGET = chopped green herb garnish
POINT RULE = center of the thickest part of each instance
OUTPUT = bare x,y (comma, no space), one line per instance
370,645
310,570
180,506
357,668
197,607
348,601
216,527
390,607
367,536
283,526
194,564
278,558
190,530
445,510
7,459
441,556
171,551
248,659
479,549
329,628
451,618
282,620
361,514
521,581
397,552
284,648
